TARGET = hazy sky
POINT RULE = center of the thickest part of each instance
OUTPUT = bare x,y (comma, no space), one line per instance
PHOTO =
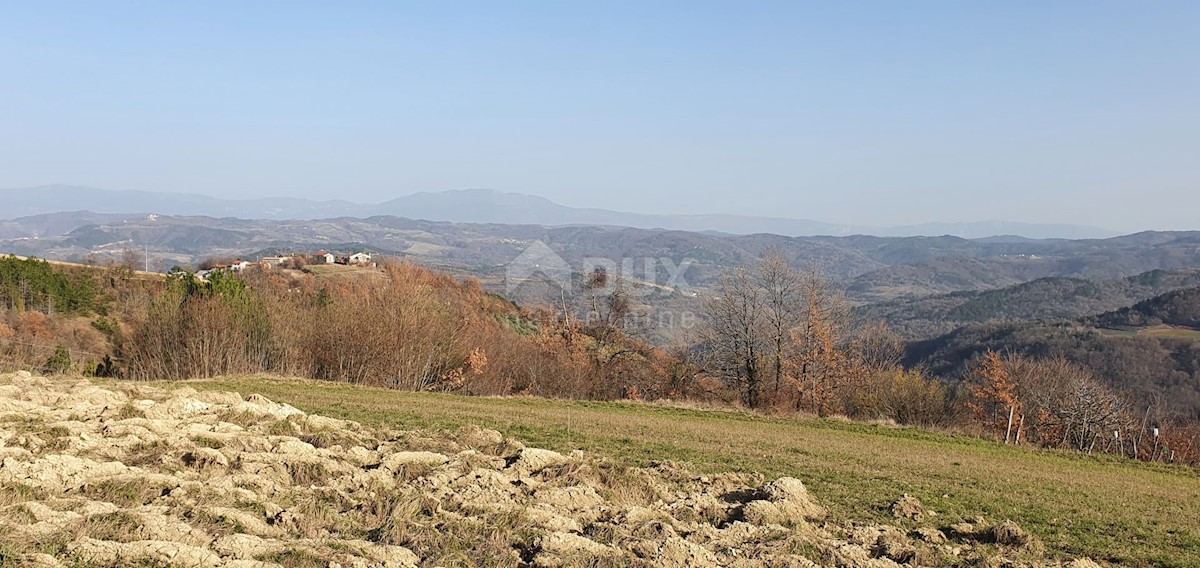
878,113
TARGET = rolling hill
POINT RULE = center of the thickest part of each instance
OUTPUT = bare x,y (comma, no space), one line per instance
1044,298
1151,349
873,269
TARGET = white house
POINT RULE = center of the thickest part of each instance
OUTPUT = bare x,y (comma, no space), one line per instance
360,258
329,258
239,265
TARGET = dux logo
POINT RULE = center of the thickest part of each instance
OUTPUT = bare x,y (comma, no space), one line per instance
537,259
657,276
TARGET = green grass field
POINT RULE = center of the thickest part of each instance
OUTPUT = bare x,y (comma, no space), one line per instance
1112,510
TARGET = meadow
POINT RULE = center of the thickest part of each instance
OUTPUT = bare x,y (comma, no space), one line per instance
1113,510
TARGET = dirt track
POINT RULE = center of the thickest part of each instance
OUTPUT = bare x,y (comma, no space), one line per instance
132,475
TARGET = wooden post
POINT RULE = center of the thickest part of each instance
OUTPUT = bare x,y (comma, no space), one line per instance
1155,450
1020,426
566,314
1008,432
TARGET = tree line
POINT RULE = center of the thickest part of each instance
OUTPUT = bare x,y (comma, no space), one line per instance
1052,402
404,327
783,339
33,284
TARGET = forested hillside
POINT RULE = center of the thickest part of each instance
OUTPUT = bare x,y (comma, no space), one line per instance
1178,308
1044,298
1152,349
31,284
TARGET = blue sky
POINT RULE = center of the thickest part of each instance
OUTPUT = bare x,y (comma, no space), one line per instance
865,113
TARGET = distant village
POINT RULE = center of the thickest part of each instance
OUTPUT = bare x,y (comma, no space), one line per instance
292,261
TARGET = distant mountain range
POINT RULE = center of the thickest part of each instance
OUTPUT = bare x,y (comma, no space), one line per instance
872,269
489,206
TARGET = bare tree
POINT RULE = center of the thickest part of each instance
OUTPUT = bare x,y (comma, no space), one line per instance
735,335
878,347
609,302
132,259
1064,404
781,287
776,326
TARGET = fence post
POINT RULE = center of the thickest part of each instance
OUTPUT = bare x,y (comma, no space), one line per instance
1008,431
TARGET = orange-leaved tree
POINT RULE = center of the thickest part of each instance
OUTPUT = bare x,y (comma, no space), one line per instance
994,394
823,366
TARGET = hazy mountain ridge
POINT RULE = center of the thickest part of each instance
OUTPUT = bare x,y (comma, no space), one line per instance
55,224
996,265
872,268
485,206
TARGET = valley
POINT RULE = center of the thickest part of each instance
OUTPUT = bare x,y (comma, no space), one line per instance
950,298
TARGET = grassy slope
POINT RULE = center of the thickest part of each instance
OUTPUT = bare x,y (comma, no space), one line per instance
1112,510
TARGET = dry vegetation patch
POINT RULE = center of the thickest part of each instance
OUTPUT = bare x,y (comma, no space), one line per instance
215,479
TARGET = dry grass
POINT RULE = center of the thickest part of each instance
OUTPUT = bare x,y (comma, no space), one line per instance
117,526
147,453
1114,510
126,493
308,473
295,558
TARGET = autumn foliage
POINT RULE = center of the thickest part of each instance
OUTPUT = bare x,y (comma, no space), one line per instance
784,340
778,339
993,397
409,328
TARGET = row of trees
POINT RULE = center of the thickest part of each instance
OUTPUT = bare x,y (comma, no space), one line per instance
783,338
32,284
406,327
1055,403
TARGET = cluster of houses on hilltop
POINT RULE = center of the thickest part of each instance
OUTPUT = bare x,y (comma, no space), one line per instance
269,262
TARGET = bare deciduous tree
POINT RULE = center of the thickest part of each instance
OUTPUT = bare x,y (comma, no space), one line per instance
132,259
878,347
781,287
736,334
1064,405
786,331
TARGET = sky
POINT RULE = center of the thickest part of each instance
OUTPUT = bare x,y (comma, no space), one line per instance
880,113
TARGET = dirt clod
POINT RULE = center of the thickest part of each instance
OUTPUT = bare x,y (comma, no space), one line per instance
1009,533
908,507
